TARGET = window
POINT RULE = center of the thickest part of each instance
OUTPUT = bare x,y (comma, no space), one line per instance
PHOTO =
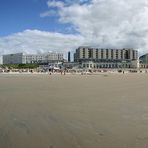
121,54
83,52
106,53
116,54
90,53
101,53
97,53
112,53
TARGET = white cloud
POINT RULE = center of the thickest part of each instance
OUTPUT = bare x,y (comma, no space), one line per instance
54,3
48,13
35,41
113,23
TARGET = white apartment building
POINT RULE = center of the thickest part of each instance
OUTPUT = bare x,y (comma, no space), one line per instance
89,57
21,58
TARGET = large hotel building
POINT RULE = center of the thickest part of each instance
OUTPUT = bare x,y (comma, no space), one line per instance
106,58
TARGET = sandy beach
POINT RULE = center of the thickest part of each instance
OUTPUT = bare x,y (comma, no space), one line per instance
74,111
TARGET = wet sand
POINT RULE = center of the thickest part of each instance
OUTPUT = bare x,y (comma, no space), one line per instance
74,111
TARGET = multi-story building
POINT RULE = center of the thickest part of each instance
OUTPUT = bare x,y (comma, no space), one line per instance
21,58
144,61
13,58
89,57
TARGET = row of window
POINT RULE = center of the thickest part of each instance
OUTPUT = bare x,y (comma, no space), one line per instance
110,56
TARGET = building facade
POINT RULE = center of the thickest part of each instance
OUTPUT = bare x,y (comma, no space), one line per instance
21,58
143,61
13,58
106,58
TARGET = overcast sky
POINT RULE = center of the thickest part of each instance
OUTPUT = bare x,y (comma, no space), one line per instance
35,26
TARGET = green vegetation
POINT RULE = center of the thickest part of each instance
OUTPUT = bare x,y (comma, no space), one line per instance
19,66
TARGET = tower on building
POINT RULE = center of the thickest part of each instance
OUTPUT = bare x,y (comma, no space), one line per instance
69,58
